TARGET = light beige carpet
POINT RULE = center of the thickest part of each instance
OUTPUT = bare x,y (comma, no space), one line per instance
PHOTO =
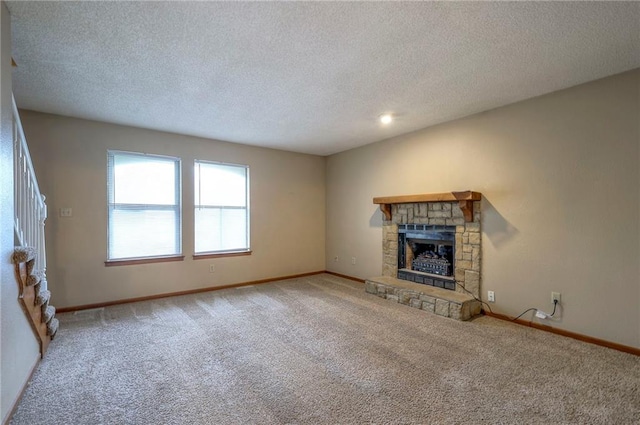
318,350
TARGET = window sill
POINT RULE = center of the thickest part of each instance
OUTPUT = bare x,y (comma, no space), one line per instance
221,255
149,260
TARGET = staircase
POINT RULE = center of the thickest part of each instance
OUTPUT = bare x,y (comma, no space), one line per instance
29,256
34,300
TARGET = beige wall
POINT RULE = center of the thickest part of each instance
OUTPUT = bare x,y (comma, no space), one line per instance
69,155
19,350
561,207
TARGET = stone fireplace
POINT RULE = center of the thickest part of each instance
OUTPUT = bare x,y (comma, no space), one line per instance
431,252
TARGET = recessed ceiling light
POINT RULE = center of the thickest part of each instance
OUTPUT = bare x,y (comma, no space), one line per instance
386,118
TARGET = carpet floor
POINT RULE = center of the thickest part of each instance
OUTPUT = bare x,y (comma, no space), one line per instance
318,350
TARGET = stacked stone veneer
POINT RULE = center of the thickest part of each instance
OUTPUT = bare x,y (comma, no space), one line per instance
434,300
468,239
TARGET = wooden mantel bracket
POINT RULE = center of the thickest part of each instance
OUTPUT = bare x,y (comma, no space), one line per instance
465,200
467,210
386,210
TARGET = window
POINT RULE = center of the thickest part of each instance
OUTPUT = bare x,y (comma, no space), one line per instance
144,206
221,207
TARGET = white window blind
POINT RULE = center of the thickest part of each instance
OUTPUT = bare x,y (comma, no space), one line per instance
221,207
144,205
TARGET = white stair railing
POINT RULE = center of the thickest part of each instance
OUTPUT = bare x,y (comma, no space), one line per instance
30,208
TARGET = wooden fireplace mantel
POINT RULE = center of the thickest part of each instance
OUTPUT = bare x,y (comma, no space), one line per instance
465,199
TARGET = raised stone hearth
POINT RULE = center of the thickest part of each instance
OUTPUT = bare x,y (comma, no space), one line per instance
435,300
453,293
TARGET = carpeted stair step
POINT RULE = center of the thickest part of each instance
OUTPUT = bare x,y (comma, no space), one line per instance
22,254
43,298
48,313
37,288
52,327
34,278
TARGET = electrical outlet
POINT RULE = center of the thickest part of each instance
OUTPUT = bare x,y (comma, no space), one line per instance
335,258
491,296
353,260
66,212
212,268
555,296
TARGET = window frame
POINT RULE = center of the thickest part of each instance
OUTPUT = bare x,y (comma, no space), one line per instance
197,188
112,206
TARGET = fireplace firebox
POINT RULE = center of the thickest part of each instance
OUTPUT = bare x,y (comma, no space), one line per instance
426,254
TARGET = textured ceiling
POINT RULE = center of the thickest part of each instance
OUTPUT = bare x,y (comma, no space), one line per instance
308,77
